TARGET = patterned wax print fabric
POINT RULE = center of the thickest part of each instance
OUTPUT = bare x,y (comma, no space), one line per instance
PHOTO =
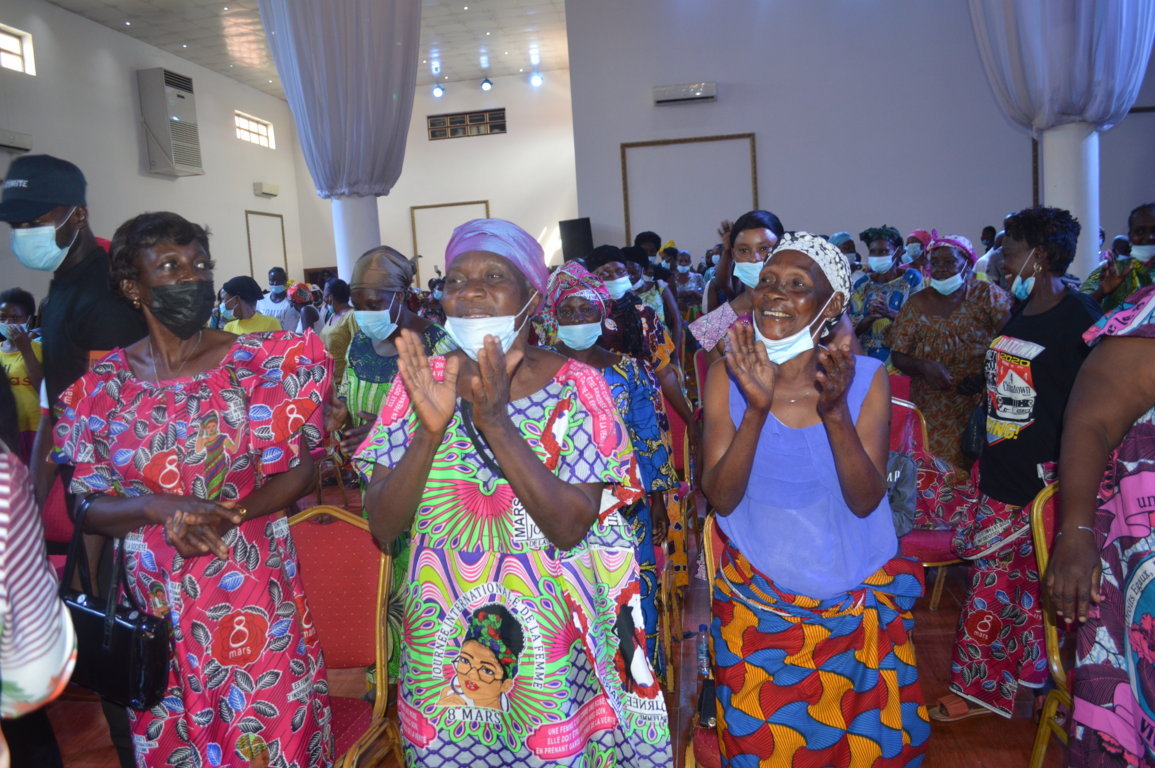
1139,276
652,298
638,398
960,343
1114,680
368,377
657,346
804,682
247,679
711,328
515,652
894,294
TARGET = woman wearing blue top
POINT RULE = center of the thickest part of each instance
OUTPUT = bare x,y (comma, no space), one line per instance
811,632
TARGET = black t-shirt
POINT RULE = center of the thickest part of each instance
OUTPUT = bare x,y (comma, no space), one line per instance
80,317
1030,369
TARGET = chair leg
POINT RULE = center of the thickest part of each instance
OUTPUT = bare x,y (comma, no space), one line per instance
939,581
1043,731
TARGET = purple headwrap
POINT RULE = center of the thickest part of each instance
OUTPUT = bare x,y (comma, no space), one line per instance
951,241
505,239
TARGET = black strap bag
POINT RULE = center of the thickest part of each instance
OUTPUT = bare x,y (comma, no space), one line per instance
122,652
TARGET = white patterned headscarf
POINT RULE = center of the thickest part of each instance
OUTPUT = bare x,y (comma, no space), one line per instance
829,259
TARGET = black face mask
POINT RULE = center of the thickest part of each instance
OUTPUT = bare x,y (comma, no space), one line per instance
183,308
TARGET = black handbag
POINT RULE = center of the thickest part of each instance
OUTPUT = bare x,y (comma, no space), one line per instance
122,652
974,436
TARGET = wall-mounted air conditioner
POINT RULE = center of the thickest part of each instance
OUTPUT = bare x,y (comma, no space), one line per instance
169,114
686,92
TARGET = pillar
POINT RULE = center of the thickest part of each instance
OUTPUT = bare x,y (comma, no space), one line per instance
355,230
1070,171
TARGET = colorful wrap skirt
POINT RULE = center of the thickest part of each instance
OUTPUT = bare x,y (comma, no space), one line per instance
813,683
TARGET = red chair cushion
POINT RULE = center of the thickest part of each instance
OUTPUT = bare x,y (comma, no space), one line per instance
57,525
900,386
351,718
928,546
706,750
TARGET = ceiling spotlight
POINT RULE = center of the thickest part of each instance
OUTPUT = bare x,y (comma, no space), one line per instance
128,23
536,79
487,84
438,91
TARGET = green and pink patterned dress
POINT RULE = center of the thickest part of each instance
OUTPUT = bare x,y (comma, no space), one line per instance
516,652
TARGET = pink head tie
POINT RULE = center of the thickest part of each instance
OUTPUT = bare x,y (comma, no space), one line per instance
921,235
505,239
952,241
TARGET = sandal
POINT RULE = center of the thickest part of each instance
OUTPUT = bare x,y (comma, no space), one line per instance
952,708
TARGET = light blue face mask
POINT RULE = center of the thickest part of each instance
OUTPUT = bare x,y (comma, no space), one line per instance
879,264
6,329
227,314
277,289
781,350
377,324
683,268
911,252
36,248
948,285
1020,288
469,333
618,287
748,272
581,336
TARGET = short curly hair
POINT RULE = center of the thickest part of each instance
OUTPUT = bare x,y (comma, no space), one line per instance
20,298
142,232
1054,230
885,232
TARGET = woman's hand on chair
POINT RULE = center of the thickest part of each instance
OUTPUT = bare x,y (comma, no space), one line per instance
1074,574
434,401
748,362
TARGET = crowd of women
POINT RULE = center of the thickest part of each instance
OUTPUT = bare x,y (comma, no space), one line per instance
516,460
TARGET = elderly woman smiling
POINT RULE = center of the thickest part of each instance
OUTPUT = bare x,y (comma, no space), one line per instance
495,458
796,448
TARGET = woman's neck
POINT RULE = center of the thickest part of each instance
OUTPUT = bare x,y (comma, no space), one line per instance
244,311
1049,290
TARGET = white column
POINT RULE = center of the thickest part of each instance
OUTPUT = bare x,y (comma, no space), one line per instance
355,230
1070,171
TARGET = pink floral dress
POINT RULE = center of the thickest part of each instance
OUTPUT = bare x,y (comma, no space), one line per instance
247,680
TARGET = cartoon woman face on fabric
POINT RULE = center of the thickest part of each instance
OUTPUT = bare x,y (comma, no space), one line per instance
486,665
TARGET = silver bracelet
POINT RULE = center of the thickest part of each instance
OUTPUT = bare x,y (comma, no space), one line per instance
1086,528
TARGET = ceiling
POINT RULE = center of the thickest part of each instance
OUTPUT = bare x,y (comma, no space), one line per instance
462,40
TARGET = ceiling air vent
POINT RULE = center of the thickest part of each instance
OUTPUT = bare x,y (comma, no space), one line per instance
461,124
169,113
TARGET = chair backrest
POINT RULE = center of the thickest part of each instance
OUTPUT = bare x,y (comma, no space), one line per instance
1044,511
701,368
899,386
679,438
57,524
711,549
345,577
907,426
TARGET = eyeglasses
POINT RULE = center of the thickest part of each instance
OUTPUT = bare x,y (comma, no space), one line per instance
485,672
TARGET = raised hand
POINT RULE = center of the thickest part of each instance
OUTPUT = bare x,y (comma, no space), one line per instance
490,386
434,401
1112,276
749,364
835,373
336,414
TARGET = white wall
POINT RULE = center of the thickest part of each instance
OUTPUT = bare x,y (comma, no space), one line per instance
82,105
864,113
527,174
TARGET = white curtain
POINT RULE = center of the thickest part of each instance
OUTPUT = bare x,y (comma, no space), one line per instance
1053,62
349,69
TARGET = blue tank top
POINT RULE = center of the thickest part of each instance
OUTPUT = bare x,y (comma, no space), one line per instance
793,524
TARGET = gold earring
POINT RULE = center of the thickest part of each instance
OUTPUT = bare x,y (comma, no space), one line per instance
136,302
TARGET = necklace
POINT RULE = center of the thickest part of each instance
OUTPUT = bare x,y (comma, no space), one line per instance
807,393
185,359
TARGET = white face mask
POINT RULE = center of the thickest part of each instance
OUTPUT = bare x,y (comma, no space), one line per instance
683,268
469,333
879,264
911,252
581,336
1143,253
36,248
781,350
948,285
748,272
618,287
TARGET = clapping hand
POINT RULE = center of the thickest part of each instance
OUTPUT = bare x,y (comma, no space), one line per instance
835,373
490,385
749,364
434,401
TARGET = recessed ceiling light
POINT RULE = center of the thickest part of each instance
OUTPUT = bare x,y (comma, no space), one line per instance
184,45
128,23
507,53
226,7
270,81
487,34
466,8
536,79
521,70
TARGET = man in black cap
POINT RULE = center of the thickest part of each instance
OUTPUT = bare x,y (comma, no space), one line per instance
43,200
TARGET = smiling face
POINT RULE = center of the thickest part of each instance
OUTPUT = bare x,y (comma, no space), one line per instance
480,675
1141,230
754,245
483,284
1019,256
791,292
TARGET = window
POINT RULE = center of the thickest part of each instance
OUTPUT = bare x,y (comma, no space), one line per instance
255,130
462,124
16,50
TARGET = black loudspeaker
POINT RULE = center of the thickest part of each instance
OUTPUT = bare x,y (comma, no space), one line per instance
577,239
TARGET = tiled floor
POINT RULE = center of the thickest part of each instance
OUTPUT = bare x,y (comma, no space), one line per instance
981,742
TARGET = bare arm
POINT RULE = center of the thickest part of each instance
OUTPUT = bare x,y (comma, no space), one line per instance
860,451
1093,426
673,319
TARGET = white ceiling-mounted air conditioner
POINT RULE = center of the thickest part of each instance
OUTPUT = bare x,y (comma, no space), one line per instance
684,93
169,113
